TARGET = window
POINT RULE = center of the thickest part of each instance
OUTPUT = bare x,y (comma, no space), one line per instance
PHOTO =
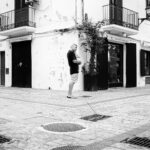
145,63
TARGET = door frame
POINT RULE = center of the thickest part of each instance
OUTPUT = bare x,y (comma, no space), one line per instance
27,77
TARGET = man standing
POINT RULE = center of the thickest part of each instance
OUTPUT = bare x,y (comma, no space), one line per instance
74,68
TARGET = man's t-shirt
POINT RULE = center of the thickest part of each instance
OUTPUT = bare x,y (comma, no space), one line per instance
74,68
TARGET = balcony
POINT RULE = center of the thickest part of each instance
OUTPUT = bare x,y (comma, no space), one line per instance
120,19
17,22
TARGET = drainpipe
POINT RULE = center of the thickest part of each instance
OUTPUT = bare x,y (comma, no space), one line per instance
76,12
82,10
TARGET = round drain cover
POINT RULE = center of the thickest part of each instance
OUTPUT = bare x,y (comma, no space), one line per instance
63,127
67,148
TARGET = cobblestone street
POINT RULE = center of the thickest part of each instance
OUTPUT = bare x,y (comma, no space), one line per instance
24,112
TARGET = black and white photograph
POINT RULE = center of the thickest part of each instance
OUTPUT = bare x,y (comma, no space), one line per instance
74,74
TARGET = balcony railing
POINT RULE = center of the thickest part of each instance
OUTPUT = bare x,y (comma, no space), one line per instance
121,16
17,18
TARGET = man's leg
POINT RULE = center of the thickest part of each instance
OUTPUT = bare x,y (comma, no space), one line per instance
74,78
71,85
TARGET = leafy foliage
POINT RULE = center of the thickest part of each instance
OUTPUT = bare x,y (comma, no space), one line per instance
95,45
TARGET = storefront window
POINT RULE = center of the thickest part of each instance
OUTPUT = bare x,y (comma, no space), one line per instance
145,63
115,74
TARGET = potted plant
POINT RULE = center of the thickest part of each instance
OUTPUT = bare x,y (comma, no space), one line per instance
94,47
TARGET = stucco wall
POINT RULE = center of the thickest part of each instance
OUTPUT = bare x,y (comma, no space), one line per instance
5,47
49,61
58,14
6,5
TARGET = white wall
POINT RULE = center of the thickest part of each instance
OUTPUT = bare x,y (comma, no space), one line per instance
6,5
94,9
49,61
5,47
140,79
58,14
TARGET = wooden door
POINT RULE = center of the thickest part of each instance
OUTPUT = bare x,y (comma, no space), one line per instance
21,64
131,65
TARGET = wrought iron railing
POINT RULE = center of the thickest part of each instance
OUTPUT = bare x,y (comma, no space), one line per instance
121,16
17,18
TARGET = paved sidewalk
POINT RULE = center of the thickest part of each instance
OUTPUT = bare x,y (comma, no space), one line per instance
24,112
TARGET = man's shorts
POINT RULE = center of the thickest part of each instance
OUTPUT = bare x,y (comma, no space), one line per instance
74,77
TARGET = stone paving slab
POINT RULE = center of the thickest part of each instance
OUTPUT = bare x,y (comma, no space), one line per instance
23,111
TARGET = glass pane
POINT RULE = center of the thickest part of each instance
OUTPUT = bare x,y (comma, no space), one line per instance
114,65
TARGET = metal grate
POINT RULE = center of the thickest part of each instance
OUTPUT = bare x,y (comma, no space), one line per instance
95,117
3,139
140,141
69,147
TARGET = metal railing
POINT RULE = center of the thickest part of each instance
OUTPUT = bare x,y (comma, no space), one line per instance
17,18
121,16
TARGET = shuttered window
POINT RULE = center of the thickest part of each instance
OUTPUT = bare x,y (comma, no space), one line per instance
145,62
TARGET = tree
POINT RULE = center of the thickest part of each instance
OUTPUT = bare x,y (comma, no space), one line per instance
94,44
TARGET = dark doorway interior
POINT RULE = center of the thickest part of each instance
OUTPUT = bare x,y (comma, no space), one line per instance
116,12
131,65
2,68
21,13
21,64
115,65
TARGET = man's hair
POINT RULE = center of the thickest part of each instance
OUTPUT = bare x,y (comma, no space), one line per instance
73,45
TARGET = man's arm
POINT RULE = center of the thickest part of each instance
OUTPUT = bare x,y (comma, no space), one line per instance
77,61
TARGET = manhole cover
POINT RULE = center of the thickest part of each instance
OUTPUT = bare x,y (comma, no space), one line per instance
140,141
67,148
95,117
63,127
3,139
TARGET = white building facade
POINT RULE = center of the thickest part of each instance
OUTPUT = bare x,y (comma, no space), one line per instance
35,39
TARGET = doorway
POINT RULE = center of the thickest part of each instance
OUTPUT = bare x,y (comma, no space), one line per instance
2,68
131,71
115,65
116,12
21,64
21,13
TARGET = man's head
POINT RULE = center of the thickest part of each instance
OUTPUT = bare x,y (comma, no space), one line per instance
73,47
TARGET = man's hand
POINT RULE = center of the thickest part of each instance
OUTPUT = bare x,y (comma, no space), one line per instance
77,61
